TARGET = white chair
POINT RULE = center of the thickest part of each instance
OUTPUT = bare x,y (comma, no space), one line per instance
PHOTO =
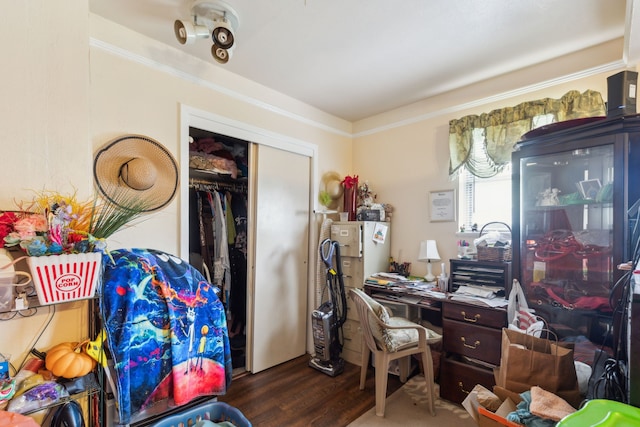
391,338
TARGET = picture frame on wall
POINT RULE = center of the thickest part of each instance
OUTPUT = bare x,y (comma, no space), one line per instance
442,205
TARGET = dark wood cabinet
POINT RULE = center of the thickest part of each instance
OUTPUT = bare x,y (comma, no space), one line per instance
489,274
472,337
576,196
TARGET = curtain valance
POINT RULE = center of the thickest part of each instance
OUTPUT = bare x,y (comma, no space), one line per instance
484,143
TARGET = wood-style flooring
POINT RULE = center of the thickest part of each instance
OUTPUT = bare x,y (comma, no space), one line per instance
294,394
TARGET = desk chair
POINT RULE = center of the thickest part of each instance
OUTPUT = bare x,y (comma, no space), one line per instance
391,338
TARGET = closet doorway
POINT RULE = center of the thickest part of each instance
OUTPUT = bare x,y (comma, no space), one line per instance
218,218
278,201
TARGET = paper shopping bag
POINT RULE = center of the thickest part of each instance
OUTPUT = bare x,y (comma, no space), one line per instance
528,361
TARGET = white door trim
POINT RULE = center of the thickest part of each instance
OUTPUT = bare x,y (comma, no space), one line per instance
194,117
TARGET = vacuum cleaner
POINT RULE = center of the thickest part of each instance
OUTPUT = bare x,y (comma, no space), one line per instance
327,320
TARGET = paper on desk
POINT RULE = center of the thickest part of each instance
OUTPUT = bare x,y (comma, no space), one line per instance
475,292
393,276
493,302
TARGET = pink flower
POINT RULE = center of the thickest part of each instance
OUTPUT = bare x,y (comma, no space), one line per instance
28,226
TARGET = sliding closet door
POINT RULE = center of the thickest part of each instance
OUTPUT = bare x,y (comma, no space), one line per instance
281,220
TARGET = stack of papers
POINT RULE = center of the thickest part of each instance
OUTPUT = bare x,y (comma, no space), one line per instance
386,279
475,292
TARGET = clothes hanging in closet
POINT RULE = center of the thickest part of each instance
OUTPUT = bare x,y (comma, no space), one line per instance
222,244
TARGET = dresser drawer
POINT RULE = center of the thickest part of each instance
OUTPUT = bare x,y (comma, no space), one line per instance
457,379
468,313
478,342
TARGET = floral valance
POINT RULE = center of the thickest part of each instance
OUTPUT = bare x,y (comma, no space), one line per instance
484,143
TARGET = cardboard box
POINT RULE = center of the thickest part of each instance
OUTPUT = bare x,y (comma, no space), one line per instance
483,416
487,418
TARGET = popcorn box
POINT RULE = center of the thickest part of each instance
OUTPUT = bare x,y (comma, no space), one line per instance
67,277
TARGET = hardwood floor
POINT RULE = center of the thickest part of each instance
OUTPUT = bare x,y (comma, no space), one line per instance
293,394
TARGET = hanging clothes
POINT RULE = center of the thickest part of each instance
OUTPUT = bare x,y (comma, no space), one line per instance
221,266
231,226
237,205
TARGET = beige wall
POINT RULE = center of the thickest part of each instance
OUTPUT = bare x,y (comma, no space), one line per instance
44,134
74,81
69,89
404,153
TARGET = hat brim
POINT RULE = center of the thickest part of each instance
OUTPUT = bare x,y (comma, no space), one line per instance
110,158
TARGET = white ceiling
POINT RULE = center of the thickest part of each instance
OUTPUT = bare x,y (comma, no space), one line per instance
358,58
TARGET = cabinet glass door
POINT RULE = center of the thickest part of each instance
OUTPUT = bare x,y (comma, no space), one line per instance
566,231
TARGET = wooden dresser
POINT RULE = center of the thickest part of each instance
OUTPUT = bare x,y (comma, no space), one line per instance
472,338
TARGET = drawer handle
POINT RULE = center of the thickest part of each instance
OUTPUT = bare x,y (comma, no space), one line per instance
462,388
474,320
474,346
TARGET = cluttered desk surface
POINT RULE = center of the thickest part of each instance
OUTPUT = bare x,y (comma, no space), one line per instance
416,291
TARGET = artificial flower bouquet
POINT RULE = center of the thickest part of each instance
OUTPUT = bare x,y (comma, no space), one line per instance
64,240
56,228
54,224
350,184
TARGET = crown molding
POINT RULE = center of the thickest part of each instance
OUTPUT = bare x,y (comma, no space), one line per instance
140,59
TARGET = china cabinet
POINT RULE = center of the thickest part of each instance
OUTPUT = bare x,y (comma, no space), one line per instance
574,186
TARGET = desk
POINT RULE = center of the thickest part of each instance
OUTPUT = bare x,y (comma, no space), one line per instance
471,337
430,306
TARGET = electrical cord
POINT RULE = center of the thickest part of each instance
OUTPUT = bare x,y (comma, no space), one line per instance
611,384
52,312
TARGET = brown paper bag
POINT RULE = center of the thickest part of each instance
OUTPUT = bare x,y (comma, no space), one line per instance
528,361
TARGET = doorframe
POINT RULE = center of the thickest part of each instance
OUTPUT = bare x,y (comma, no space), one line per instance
205,120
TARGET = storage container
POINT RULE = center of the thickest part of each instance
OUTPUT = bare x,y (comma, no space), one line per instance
212,411
66,277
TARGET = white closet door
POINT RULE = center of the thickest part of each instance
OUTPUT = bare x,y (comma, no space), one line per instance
278,308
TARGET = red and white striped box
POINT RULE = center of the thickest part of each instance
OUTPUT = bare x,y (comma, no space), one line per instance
67,277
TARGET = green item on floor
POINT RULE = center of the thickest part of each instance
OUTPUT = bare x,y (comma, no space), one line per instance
603,413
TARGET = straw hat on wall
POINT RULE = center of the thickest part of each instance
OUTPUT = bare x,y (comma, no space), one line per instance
136,166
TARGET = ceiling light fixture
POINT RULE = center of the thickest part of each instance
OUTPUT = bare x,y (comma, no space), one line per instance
211,18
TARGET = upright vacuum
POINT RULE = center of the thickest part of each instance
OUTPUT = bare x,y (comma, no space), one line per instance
327,320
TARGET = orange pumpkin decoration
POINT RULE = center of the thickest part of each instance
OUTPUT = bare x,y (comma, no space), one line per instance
67,360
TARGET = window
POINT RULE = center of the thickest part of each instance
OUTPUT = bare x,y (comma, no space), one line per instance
484,200
480,148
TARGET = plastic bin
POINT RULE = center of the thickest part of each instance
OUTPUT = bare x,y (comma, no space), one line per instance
604,413
66,277
212,411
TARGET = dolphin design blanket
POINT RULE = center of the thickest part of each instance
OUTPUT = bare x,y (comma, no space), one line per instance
165,328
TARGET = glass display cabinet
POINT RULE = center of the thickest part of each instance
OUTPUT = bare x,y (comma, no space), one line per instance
574,187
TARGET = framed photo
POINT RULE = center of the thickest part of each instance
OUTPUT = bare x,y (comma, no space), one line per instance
589,188
442,205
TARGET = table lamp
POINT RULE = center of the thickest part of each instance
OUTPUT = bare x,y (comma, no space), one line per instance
428,252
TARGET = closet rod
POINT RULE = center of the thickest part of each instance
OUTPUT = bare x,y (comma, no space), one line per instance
202,185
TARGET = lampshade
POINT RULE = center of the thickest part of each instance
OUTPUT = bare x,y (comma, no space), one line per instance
428,251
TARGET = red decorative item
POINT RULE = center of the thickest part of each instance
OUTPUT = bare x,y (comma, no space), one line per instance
350,184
